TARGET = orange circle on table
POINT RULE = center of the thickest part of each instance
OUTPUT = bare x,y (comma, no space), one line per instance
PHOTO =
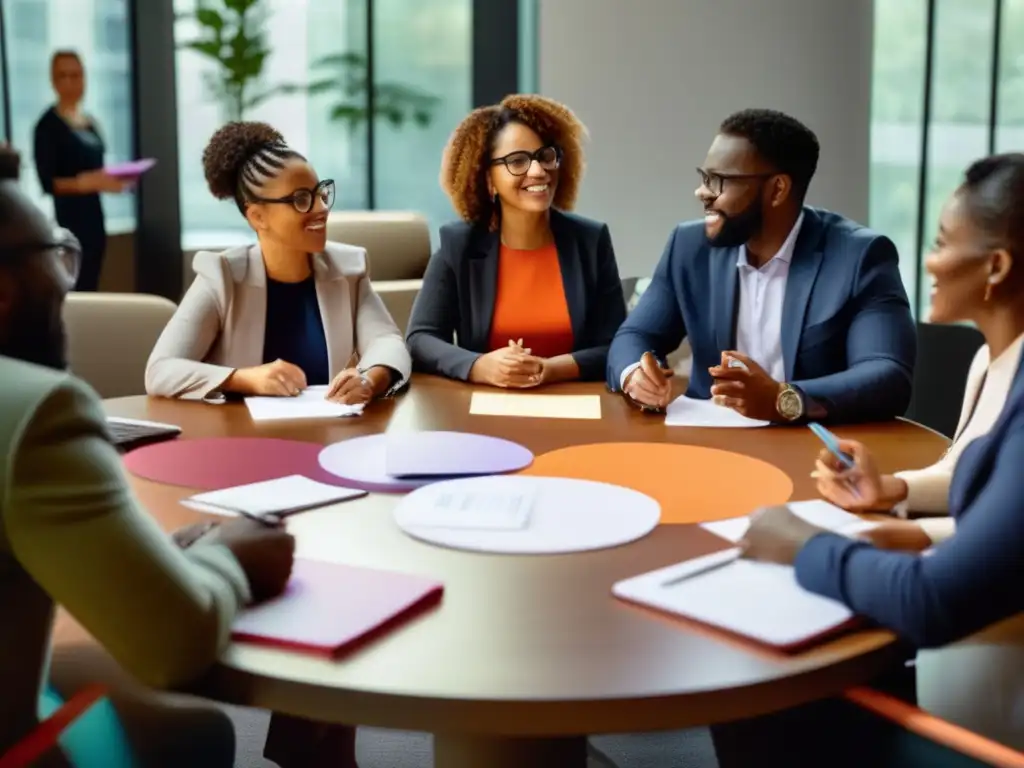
693,484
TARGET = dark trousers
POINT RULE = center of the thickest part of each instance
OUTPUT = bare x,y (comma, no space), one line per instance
832,733
94,247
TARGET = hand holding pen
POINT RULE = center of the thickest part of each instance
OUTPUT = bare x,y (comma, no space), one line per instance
847,476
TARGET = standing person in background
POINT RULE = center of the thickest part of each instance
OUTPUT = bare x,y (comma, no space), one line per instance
69,161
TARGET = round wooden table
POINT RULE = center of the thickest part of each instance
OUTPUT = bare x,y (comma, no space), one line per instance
528,654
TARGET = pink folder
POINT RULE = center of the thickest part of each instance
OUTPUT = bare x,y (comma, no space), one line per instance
331,609
131,169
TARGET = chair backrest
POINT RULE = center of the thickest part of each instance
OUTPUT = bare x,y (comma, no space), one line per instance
944,355
397,243
110,338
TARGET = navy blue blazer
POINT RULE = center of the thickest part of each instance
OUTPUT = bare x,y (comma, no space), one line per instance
971,580
848,338
450,323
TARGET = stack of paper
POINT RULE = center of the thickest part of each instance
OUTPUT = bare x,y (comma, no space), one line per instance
477,510
311,403
283,496
816,512
688,412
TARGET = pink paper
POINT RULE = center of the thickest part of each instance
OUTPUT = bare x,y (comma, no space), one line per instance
130,169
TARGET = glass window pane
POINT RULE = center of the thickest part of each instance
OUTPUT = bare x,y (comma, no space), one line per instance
296,33
961,94
1010,118
897,111
423,82
337,108
98,31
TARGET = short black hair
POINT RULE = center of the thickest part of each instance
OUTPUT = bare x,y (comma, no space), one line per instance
786,143
64,53
993,194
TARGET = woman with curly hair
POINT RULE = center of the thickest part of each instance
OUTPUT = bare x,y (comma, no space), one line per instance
520,292
291,311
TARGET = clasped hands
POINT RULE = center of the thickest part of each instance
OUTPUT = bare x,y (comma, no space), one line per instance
511,367
283,379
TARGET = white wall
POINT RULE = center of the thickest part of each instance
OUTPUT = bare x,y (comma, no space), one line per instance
652,80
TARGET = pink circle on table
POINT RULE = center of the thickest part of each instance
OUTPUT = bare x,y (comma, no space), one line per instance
363,462
214,463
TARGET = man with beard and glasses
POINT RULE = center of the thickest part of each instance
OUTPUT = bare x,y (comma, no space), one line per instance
72,533
792,312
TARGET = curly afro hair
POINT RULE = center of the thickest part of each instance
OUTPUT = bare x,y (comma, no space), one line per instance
467,156
242,156
783,141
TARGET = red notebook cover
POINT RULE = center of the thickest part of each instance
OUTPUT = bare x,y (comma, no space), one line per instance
330,609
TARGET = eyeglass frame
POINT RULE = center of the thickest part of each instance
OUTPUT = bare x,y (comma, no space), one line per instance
503,160
314,194
706,176
68,255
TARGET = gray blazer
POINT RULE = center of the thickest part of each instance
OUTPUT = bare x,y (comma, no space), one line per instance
220,323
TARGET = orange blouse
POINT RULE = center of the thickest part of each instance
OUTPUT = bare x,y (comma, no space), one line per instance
529,303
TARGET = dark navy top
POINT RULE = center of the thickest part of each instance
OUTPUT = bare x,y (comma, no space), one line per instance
295,330
970,580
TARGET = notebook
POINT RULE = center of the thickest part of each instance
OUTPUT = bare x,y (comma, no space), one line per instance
331,609
759,601
282,496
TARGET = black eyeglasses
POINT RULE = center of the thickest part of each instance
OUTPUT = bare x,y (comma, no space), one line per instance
65,252
304,198
518,163
715,182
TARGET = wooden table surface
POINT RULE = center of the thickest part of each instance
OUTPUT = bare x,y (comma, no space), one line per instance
530,647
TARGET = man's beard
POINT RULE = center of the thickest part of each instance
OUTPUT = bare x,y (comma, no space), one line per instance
36,335
739,228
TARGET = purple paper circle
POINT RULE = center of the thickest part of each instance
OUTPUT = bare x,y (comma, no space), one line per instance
362,462
214,463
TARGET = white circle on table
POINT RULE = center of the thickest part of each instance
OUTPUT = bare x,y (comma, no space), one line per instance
566,515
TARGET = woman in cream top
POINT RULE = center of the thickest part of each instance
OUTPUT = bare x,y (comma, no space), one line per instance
289,312
977,682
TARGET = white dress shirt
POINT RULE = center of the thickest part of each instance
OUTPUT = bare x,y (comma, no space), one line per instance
759,316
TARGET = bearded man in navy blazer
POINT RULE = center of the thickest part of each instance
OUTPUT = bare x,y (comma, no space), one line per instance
793,313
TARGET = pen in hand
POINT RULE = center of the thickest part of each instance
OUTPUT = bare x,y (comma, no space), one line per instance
268,521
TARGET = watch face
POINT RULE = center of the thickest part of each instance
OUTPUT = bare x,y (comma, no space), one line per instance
790,406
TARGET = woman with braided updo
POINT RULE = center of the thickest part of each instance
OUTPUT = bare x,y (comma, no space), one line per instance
289,312
520,293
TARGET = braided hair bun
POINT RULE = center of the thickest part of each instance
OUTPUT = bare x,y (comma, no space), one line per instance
229,149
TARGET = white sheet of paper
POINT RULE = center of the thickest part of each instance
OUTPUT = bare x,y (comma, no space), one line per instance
816,512
532,405
284,495
688,412
309,404
478,510
760,600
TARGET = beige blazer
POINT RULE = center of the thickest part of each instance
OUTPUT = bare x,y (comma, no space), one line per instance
220,322
72,533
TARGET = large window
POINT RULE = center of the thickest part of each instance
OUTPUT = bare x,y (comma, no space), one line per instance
98,31
973,67
316,81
